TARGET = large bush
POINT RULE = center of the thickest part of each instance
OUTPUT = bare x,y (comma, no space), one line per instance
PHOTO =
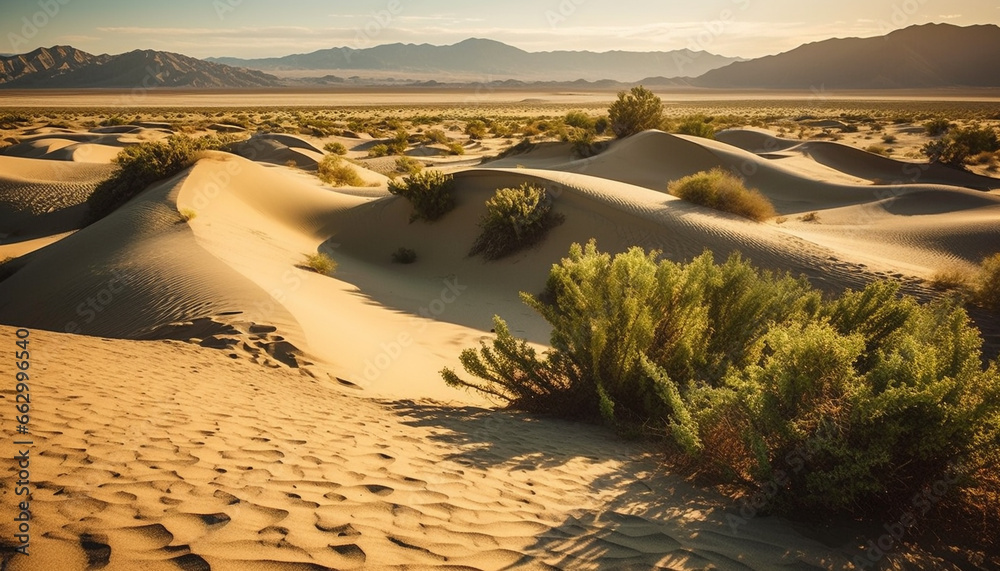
141,165
724,191
515,218
846,404
429,191
635,111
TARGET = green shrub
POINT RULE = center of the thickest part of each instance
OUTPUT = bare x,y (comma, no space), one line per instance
937,127
139,166
404,256
429,191
955,148
336,171
320,263
515,218
379,150
475,129
399,142
455,148
579,119
889,139
987,283
436,136
697,126
335,148
850,404
187,214
634,112
408,165
724,191
601,125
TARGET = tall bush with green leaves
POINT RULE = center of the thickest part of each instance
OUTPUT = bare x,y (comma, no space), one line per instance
635,111
429,191
872,394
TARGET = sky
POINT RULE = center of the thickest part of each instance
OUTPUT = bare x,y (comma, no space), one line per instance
271,28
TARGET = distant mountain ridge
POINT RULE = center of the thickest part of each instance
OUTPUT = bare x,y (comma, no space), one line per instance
494,60
924,56
67,67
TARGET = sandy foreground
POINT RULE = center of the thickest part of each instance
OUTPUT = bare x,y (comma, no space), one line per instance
208,403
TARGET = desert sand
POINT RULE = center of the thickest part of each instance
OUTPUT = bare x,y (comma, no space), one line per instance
203,401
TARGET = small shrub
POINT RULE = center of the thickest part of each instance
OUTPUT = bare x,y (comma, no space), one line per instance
889,139
584,144
878,150
937,127
408,165
579,119
522,147
404,256
114,121
429,191
456,148
601,125
952,278
335,148
379,150
399,142
187,214
436,136
320,263
810,217
475,129
987,283
336,171
515,218
635,111
723,191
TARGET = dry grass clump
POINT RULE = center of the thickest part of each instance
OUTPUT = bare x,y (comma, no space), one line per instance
320,263
336,171
723,191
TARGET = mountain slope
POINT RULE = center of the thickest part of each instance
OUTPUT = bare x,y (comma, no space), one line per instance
931,55
139,68
46,61
495,60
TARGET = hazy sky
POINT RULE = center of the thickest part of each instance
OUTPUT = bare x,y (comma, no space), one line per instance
261,28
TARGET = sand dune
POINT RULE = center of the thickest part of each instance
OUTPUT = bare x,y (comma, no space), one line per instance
254,434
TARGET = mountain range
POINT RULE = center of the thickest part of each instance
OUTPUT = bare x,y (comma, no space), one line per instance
67,67
918,57
488,59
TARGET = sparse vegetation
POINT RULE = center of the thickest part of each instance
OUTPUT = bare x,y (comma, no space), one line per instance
335,148
187,214
878,150
697,126
379,150
515,218
320,263
336,171
404,256
740,370
429,191
635,111
809,217
723,191
960,144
